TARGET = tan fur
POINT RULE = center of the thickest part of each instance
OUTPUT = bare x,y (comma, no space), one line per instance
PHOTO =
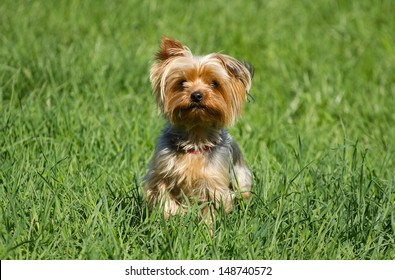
196,160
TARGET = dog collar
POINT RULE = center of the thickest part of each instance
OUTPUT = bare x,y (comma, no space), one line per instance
198,151
204,149
185,149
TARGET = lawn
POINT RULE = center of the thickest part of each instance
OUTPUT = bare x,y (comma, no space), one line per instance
78,125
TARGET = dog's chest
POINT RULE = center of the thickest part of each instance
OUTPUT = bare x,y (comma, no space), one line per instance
201,171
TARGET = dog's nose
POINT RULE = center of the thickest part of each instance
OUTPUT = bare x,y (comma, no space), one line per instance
197,96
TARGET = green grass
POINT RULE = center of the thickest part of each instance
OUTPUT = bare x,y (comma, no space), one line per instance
78,126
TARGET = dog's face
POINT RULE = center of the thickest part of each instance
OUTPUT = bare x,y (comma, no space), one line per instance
205,91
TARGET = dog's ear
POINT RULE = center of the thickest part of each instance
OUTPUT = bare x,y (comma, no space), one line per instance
242,71
169,48
249,67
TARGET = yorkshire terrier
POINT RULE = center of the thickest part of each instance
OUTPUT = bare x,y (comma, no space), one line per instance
196,159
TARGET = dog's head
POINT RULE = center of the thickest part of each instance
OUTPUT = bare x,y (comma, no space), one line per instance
198,90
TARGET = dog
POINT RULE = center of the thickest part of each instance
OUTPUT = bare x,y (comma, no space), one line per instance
196,160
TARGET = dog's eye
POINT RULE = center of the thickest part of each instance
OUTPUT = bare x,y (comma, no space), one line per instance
181,84
214,84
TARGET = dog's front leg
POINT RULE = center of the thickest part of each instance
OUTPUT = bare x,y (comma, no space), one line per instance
240,173
159,195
